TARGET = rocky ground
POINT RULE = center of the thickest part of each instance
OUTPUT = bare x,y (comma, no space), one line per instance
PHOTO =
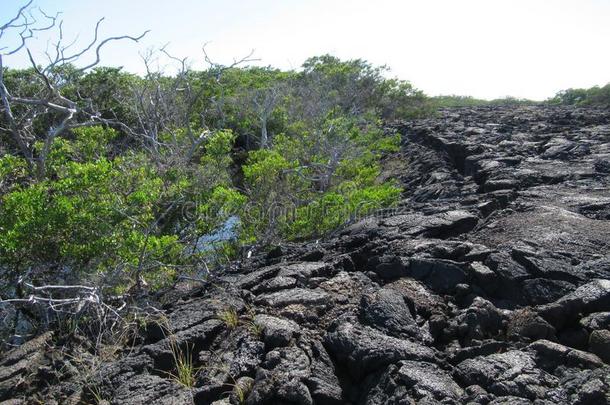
490,285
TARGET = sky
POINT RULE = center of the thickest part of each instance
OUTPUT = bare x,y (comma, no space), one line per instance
483,48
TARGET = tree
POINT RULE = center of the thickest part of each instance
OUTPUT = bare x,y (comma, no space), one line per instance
315,178
48,104
596,96
173,111
262,91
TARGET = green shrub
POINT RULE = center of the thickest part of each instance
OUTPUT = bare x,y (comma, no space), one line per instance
96,215
312,181
594,96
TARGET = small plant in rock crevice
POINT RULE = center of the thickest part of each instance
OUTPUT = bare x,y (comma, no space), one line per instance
241,391
230,317
96,394
186,372
256,329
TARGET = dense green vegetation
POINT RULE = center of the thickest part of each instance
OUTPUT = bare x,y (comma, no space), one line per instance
468,101
594,96
254,154
190,167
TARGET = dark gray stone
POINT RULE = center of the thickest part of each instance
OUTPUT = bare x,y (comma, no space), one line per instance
440,275
599,343
276,331
386,310
363,349
294,296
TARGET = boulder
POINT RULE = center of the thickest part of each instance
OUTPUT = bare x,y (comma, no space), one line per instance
528,324
386,310
513,373
363,349
591,297
599,343
439,275
276,331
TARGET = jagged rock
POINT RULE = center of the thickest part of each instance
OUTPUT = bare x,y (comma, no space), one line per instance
364,349
418,297
500,184
275,284
539,291
254,278
510,400
440,275
323,383
597,320
546,264
304,271
502,264
484,277
23,361
527,323
555,354
479,321
443,225
428,380
587,387
389,267
386,310
412,382
280,379
276,331
599,343
313,255
591,297
247,357
484,348
475,394
598,268
145,389
197,337
347,286
451,223
512,373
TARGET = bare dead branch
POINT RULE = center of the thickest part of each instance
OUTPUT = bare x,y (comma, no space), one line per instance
104,42
73,113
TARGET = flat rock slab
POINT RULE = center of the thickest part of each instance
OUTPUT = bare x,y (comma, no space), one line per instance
301,296
443,225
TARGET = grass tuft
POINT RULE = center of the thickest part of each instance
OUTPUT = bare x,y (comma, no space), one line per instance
229,317
186,372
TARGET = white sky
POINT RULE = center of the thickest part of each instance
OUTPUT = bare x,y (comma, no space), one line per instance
483,48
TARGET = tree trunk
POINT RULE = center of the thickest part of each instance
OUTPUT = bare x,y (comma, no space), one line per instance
264,135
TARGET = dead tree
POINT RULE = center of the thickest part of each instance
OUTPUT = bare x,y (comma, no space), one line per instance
265,101
172,122
50,101
216,71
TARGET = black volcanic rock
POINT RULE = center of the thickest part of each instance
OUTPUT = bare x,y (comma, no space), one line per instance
490,284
